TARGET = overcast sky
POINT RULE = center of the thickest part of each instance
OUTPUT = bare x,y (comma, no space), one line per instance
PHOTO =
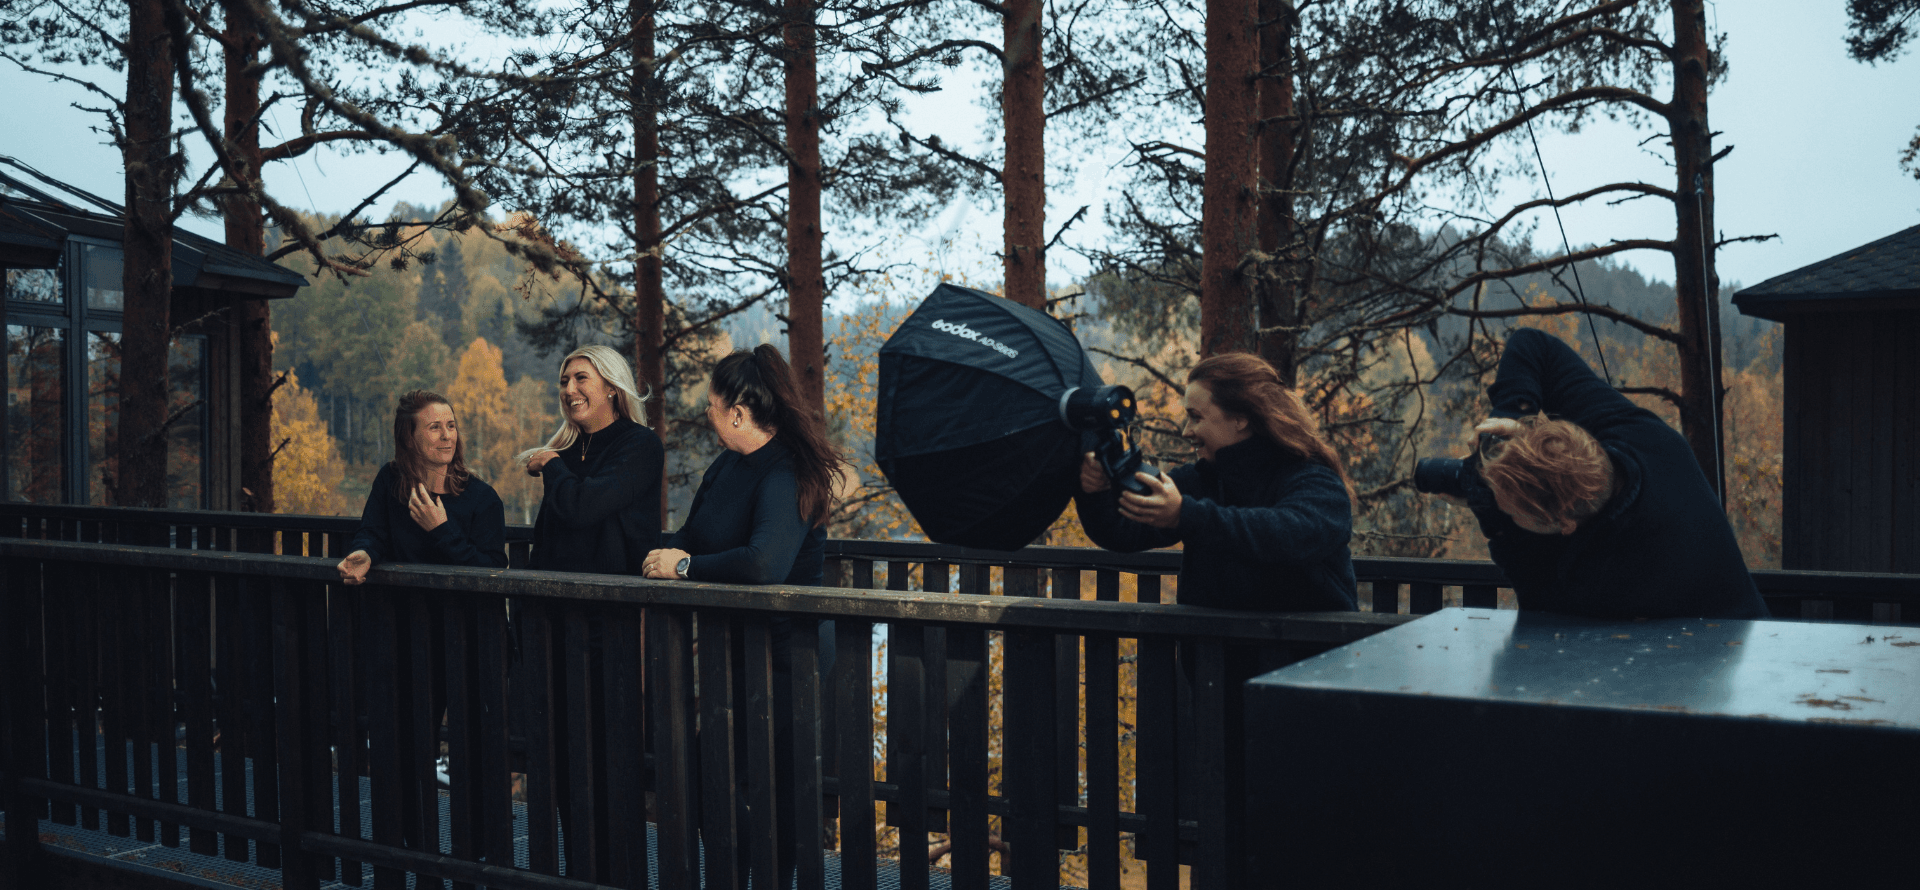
1816,141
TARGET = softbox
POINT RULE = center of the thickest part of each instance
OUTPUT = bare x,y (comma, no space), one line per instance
968,428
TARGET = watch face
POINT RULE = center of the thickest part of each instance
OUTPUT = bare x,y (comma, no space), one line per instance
681,569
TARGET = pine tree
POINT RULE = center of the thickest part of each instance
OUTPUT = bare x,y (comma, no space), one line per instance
443,292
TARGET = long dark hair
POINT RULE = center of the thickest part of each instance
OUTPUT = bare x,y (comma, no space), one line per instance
410,468
761,382
1246,385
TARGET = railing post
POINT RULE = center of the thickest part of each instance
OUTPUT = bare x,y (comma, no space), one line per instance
24,729
809,823
289,706
670,682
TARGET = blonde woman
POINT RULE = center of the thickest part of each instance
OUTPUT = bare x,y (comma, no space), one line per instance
601,470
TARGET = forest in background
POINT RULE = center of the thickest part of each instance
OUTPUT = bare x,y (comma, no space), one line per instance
464,318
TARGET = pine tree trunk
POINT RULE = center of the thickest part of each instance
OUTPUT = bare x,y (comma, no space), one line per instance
1278,290
1023,179
650,300
1228,197
806,285
1696,285
140,476
245,233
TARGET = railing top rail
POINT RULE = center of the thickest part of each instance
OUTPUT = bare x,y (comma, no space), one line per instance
1000,612
1152,562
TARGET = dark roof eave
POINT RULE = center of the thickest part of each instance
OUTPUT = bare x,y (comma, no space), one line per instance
248,286
1784,307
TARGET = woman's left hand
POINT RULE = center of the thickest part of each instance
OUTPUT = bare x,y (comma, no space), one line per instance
664,564
1159,507
426,510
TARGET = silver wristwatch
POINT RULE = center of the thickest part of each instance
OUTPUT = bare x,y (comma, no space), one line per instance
680,568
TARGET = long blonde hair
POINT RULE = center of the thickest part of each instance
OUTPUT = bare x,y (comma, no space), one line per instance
613,368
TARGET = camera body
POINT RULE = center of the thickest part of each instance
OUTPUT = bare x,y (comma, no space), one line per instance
1105,414
1459,477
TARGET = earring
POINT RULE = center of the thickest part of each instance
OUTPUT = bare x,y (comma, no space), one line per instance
736,424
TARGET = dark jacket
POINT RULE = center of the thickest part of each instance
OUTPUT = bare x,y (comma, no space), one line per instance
601,508
475,533
745,525
1660,548
1264,529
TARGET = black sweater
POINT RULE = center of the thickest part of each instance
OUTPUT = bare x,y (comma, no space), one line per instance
1265,529
601,512
475,533
745,524
1659,548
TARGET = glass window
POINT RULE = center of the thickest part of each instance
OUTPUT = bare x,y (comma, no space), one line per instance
34,285
35,415
186,405
103,415
104,278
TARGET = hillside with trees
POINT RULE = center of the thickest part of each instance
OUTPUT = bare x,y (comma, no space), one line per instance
465,318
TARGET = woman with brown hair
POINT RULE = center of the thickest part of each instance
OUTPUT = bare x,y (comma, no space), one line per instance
1265,514
760,514
425,507
760,517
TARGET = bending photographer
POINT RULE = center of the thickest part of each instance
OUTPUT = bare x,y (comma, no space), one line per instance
1595,506
1266,513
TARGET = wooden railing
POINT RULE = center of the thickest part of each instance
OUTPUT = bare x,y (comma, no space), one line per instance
1408,586
269,682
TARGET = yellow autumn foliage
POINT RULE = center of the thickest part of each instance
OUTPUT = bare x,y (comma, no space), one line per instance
308,468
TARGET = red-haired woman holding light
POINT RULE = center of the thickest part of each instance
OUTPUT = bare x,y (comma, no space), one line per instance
1265,514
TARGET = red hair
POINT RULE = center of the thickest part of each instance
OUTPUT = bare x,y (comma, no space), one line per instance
1246,385
1552,470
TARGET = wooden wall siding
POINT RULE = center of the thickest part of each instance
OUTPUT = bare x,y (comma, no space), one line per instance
1851,483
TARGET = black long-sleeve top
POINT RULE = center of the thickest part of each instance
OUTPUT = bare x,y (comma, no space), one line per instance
600,511
1659,548
745,524
475,533
1264,529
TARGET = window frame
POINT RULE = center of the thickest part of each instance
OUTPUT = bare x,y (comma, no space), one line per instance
77,321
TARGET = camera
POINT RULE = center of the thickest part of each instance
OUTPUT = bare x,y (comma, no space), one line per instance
1105,414
1459,477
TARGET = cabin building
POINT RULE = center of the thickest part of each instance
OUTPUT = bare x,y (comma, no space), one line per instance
1851,478
60,264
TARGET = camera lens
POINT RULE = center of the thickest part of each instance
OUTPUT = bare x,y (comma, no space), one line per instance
1439,475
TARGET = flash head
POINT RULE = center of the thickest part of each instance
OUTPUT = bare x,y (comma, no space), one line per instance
1099,408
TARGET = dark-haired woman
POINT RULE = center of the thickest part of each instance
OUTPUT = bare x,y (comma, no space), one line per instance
425,507
759,517
1265,514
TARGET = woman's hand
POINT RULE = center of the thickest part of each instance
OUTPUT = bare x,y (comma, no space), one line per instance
1093,478
537,461
1159,507
664,563
353,569
426,510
